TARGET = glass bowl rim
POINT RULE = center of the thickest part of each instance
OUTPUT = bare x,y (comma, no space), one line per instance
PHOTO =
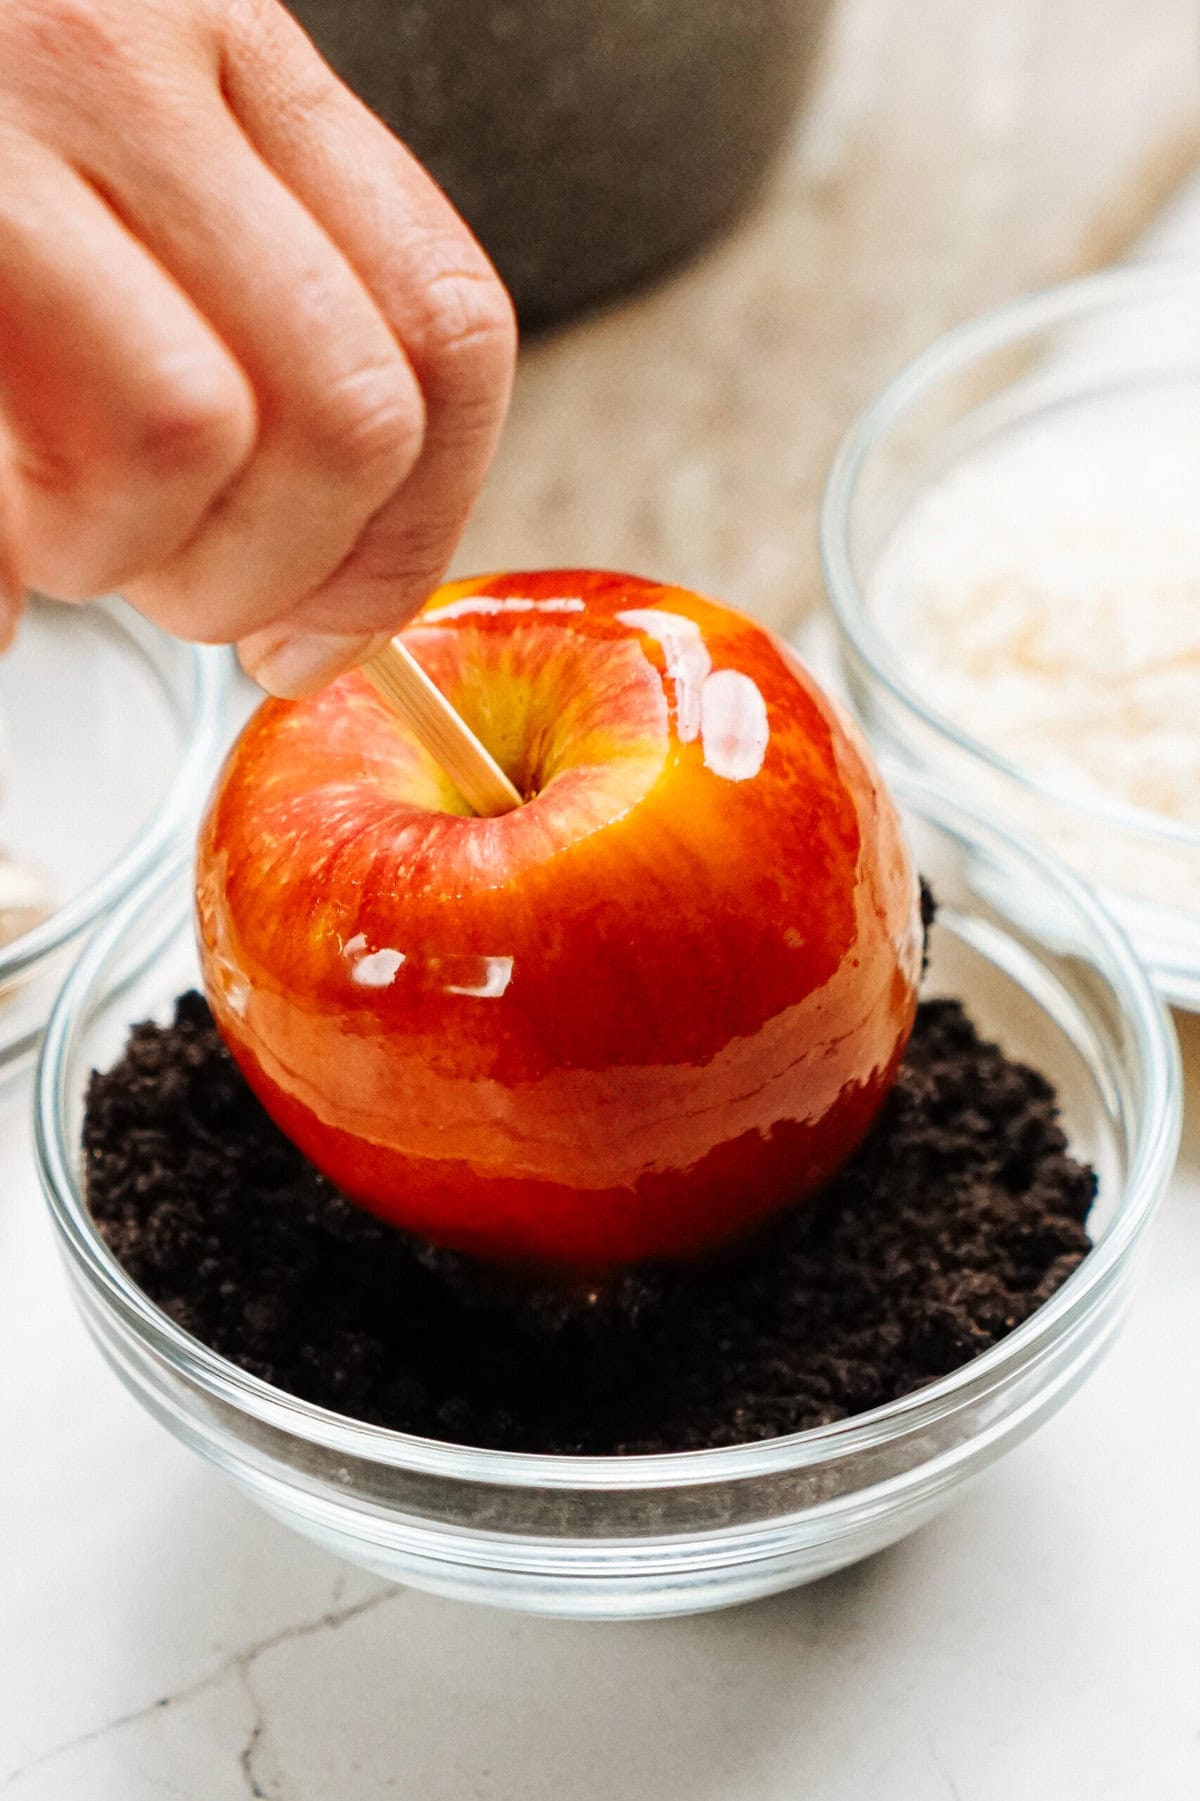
1154,1133
206,686
948,355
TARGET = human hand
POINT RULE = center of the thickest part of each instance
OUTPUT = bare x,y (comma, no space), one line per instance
252,364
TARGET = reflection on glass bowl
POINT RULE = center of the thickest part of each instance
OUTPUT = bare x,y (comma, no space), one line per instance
111,736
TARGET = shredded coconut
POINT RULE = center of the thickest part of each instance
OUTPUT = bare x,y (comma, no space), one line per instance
1046,593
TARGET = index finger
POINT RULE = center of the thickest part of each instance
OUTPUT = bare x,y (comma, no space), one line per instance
431,281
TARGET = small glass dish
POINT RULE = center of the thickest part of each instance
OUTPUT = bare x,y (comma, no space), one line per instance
111,733
1107,366
613,1537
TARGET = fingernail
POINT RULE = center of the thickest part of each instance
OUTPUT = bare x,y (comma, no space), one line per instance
306,662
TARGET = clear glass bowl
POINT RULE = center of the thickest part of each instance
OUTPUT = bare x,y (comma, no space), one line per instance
1115,354
111,732
610,1537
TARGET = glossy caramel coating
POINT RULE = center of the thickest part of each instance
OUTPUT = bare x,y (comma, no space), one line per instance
630,1020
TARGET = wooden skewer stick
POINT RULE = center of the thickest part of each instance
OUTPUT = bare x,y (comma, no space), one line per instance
398,679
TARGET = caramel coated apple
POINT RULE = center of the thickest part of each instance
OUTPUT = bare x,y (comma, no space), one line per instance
632,1019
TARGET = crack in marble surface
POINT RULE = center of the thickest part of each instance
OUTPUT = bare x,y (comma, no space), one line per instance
237,1663
939,1766
257,1728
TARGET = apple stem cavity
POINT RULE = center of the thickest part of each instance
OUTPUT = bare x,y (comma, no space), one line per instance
403,685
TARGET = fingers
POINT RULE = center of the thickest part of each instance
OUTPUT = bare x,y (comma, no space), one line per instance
341,416
433,284
252,365
123,414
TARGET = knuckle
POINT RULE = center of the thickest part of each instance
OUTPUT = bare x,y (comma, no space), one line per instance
266,38
71,566
250,16
374,423
199,423
471,316
46,465
176,604
380,598
64,30
66,58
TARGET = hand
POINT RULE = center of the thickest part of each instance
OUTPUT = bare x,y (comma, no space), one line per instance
252,364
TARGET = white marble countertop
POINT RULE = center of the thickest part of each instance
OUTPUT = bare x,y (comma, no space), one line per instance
161,1640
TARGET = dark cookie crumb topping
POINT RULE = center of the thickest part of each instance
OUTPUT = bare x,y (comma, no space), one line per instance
961,1214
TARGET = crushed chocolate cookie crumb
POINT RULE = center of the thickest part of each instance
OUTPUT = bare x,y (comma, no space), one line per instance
960,1215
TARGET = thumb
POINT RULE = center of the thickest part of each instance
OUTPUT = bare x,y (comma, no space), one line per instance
292,664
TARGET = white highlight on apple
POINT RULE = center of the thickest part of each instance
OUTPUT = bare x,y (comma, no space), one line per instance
723,707
734,729
687,659
377,970
497,973
488,604
485,978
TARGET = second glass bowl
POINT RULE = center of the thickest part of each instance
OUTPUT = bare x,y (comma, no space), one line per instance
611,1537
1110,361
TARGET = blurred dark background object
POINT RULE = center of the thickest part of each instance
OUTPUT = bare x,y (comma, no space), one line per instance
588,143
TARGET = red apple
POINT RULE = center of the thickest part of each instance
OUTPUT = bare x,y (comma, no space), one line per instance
633,1018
